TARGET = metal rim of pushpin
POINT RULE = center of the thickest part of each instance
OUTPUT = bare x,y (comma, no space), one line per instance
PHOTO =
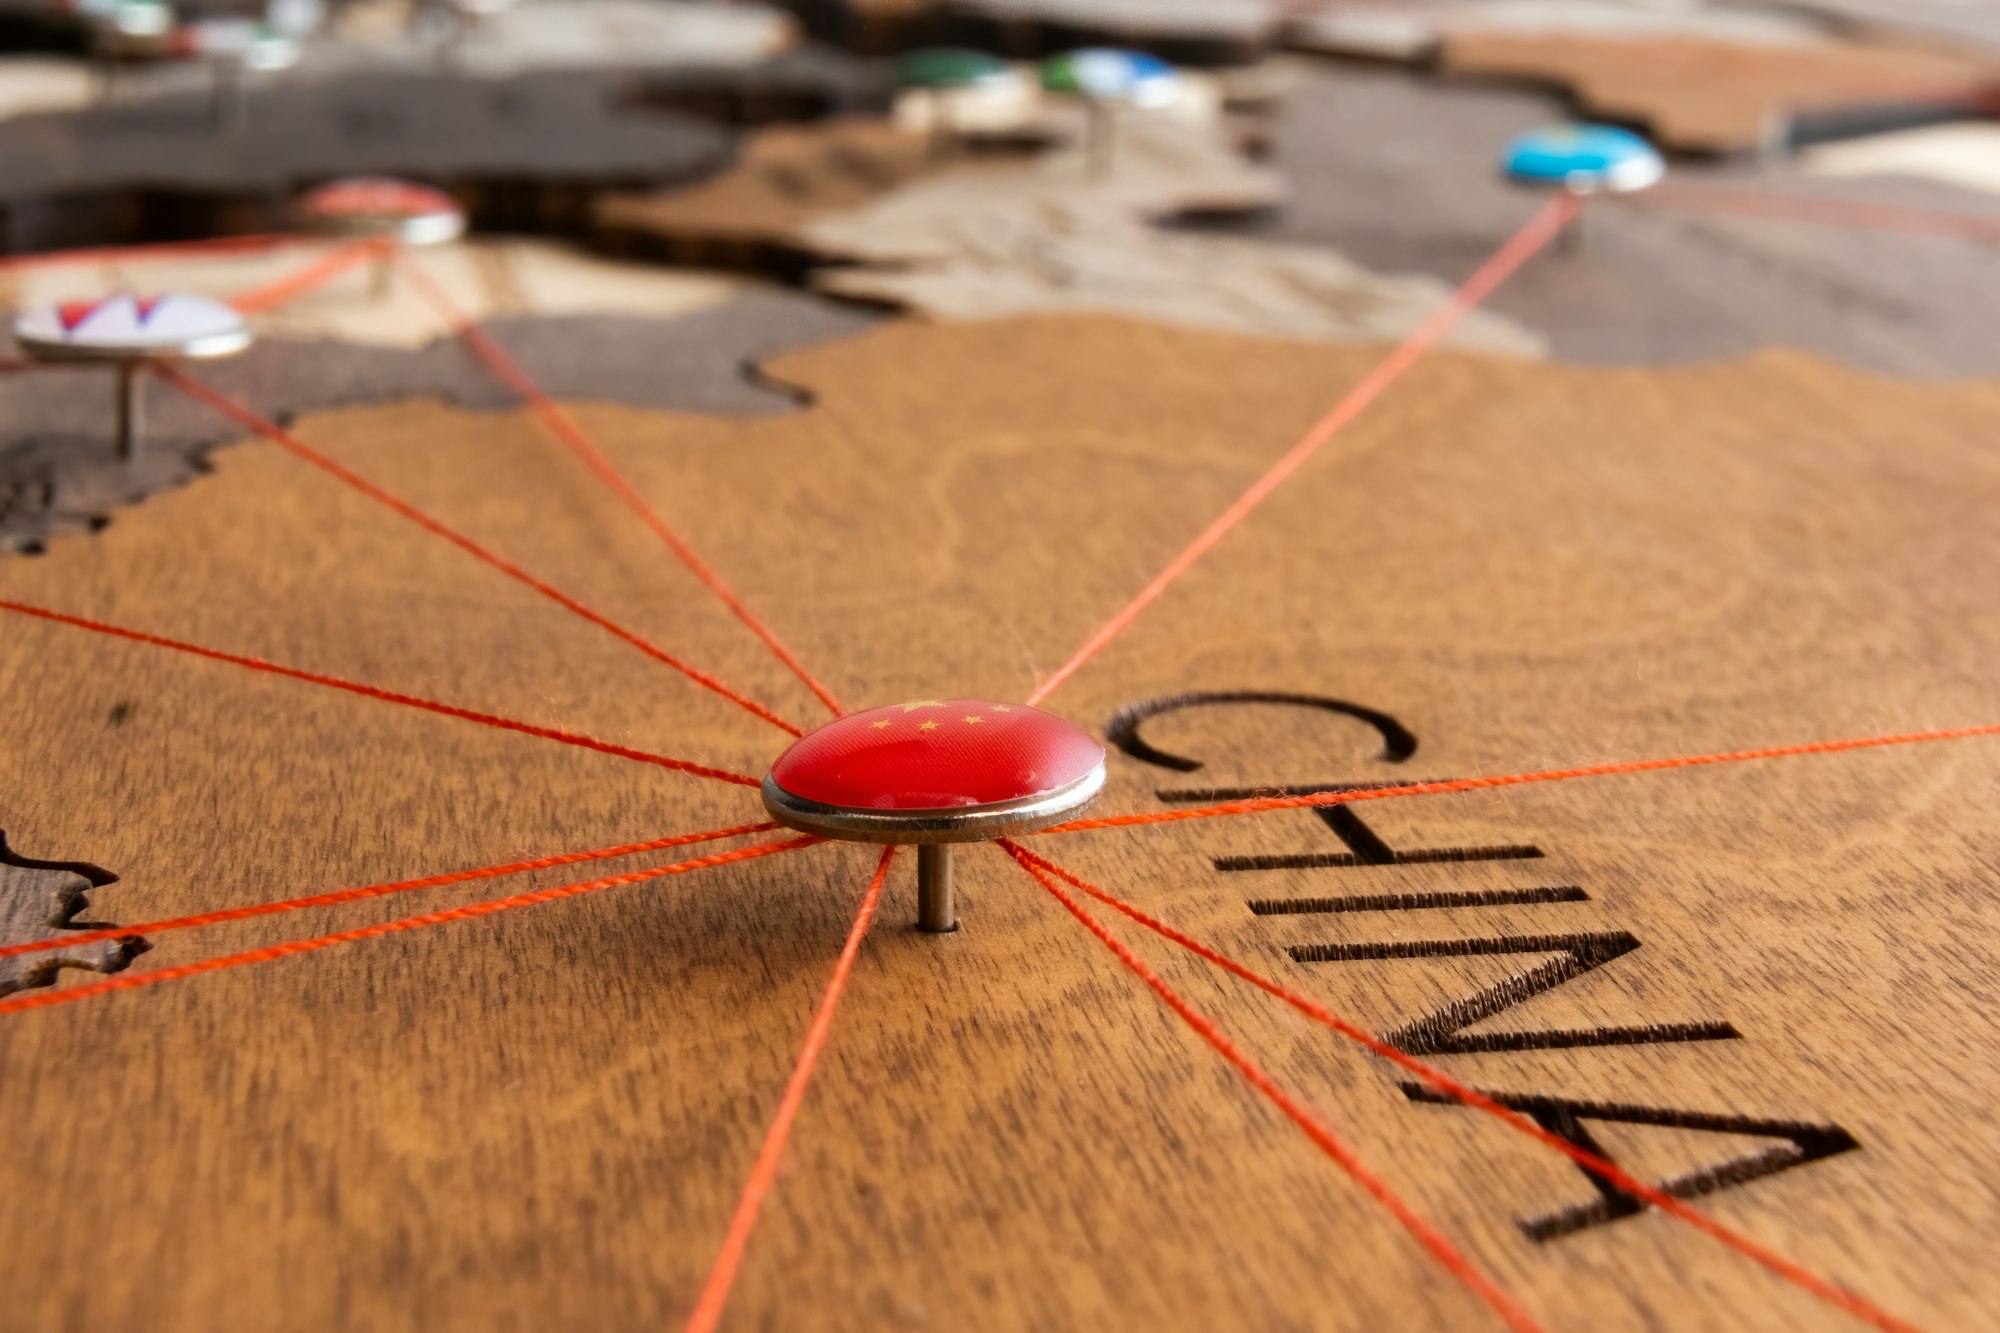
934,832
417,229
1636,173
413,229
207,347
966,823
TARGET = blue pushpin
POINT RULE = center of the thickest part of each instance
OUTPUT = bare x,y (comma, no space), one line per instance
1585,160
1105,78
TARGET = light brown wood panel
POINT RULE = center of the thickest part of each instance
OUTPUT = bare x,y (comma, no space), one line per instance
542,1119
1713,96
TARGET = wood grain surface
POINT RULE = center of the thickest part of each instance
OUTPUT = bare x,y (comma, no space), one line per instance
1701,95
753,214
542,1119
59,471
859,210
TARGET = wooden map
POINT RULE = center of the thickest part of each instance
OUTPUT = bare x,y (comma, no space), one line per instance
1593,711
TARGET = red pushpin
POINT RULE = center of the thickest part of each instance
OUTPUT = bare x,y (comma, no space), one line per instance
390,212
932,773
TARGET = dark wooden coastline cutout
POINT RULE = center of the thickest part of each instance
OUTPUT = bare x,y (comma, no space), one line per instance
39,900
527,153
60,28
59,473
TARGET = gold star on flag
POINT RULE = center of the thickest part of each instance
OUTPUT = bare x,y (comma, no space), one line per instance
1002,708
915,704
975,718
877,726
927,726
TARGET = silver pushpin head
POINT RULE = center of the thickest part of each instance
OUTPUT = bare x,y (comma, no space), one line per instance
127,332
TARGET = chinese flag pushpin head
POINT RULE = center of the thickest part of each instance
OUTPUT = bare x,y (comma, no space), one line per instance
933,772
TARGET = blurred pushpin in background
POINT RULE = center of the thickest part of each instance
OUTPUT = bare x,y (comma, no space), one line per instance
946,78
234,50
1585,160
1106,80
392,212
125,32
128,333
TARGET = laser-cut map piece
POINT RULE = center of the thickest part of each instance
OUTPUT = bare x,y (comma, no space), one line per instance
1413,30
627,36
1585,541
524,153
485,278
754,214
621,35
59,471
1411,187
1966,156
1028,234
1707,96
40,900
1047,235
1972,24
1058,257
1189,32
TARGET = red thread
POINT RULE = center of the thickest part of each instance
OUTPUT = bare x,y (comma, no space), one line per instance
566,430
314,275
113,253
72,938
1792,1272
1834,212
1542,228
386,696
1330,1143
1260,804
306,453
272,953
715,1292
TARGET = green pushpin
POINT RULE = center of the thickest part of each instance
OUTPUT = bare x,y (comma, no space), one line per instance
946,67
941,73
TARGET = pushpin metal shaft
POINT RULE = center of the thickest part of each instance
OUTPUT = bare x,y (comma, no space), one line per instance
130,382
937,905
1099,136
1575,235
943,125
